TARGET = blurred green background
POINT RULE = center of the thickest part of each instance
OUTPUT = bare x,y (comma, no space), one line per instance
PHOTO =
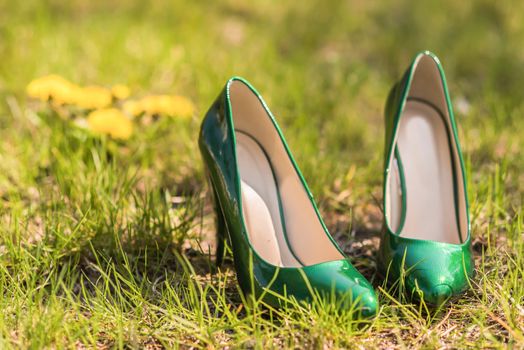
324,66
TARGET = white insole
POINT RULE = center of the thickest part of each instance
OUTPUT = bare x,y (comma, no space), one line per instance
425,156
260,204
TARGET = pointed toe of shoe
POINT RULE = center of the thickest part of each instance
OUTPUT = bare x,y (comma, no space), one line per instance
363,301
433,294
341,280
433,271
369,305
439,294
433,290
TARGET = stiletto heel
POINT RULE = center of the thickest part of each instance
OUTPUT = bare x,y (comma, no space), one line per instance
220,227
280,244
426,219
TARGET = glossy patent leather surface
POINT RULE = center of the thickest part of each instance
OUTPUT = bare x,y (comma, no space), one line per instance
256,276
434,271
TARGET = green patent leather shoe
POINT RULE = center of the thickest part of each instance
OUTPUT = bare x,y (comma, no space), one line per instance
279,242
426,238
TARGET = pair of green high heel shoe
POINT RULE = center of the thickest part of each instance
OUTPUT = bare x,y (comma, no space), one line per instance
280,244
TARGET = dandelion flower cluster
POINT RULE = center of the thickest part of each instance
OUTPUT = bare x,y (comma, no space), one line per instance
106,110
61,91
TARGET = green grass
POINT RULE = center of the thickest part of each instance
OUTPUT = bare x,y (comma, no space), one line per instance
95,254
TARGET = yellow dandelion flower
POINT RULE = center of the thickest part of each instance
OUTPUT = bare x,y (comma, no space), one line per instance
177,106
93,97
182,106
110,121
54,88
120,91
157,104
133,108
